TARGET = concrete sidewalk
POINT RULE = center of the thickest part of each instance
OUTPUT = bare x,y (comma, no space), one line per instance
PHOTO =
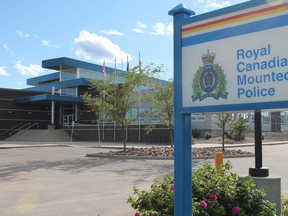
117,145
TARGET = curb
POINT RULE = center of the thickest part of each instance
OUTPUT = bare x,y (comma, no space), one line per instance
33,146
132,157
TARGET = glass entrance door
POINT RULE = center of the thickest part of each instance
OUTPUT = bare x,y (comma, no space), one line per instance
68,119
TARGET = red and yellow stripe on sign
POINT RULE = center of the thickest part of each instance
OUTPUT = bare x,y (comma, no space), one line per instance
236,18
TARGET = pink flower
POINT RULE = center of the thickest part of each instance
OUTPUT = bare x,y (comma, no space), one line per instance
236,210
203,204
172,187
137,214
213,197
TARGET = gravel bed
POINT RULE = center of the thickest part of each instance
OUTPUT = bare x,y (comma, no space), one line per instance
169,152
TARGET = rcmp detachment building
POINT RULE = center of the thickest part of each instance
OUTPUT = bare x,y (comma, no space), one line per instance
53,101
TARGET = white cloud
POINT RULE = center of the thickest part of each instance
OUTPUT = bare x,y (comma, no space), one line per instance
5,46
112,32
140,27
47,43
97,48
214,4
31,69
162,29
22,34
140,31
3,72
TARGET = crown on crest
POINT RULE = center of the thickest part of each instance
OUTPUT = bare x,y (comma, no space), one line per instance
208,58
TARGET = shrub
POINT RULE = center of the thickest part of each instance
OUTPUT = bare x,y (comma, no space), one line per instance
239,128
216,192
196,134
207,136
158,201
284,206
263,136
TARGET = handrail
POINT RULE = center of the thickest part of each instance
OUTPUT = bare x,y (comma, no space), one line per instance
71,129
11,129
37,124
18,129
27,128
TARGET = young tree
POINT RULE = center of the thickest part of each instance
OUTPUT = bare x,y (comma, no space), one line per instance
162,101
222,121
115,99
239,127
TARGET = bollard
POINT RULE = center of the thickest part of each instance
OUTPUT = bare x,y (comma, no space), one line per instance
218,159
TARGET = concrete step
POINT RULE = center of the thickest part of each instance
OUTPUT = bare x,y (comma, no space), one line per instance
41,136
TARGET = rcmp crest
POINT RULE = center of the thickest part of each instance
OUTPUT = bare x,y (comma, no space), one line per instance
209,80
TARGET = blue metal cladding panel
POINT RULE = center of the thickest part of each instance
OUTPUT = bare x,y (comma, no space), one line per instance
48,98
61,85
44,78
56,63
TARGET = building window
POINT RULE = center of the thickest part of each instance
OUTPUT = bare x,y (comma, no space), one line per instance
133,112
69,91
68,74
154,117
198,117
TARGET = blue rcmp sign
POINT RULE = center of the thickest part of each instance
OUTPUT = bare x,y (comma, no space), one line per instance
232,59
236,60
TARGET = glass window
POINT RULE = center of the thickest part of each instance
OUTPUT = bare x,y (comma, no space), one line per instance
133,112
69,91
154,119
68,74
89,74
198,117
142,111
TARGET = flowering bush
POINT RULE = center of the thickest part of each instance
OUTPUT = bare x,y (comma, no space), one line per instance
284,206
216,192
159,200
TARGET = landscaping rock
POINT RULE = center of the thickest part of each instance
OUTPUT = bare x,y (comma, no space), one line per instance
168,152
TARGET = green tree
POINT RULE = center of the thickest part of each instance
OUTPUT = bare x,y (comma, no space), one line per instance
239,127
222,121
162,101
113,99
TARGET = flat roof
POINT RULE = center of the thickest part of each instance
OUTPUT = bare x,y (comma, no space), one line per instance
60,85
43,78
68,63
48,98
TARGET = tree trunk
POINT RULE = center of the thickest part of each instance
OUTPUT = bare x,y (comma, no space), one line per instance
171,136
124,138
223,138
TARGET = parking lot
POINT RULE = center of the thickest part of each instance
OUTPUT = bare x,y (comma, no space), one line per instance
44,181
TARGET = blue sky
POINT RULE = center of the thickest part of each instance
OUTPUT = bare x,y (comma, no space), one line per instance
88,30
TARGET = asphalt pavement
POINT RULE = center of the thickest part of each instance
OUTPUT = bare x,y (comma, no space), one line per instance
60,180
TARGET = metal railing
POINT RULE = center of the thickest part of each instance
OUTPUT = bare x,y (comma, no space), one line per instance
25,127
11,129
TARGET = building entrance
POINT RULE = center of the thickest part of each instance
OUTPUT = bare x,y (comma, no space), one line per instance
68,119
69,114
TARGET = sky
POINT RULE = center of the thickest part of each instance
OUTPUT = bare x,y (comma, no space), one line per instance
88,30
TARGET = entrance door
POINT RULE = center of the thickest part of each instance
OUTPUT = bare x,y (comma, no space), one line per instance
68,119
68,114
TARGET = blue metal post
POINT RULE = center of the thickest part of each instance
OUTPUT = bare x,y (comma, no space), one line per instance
182,125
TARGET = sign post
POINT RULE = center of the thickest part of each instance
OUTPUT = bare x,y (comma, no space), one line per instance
231,59
259,170
182,125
